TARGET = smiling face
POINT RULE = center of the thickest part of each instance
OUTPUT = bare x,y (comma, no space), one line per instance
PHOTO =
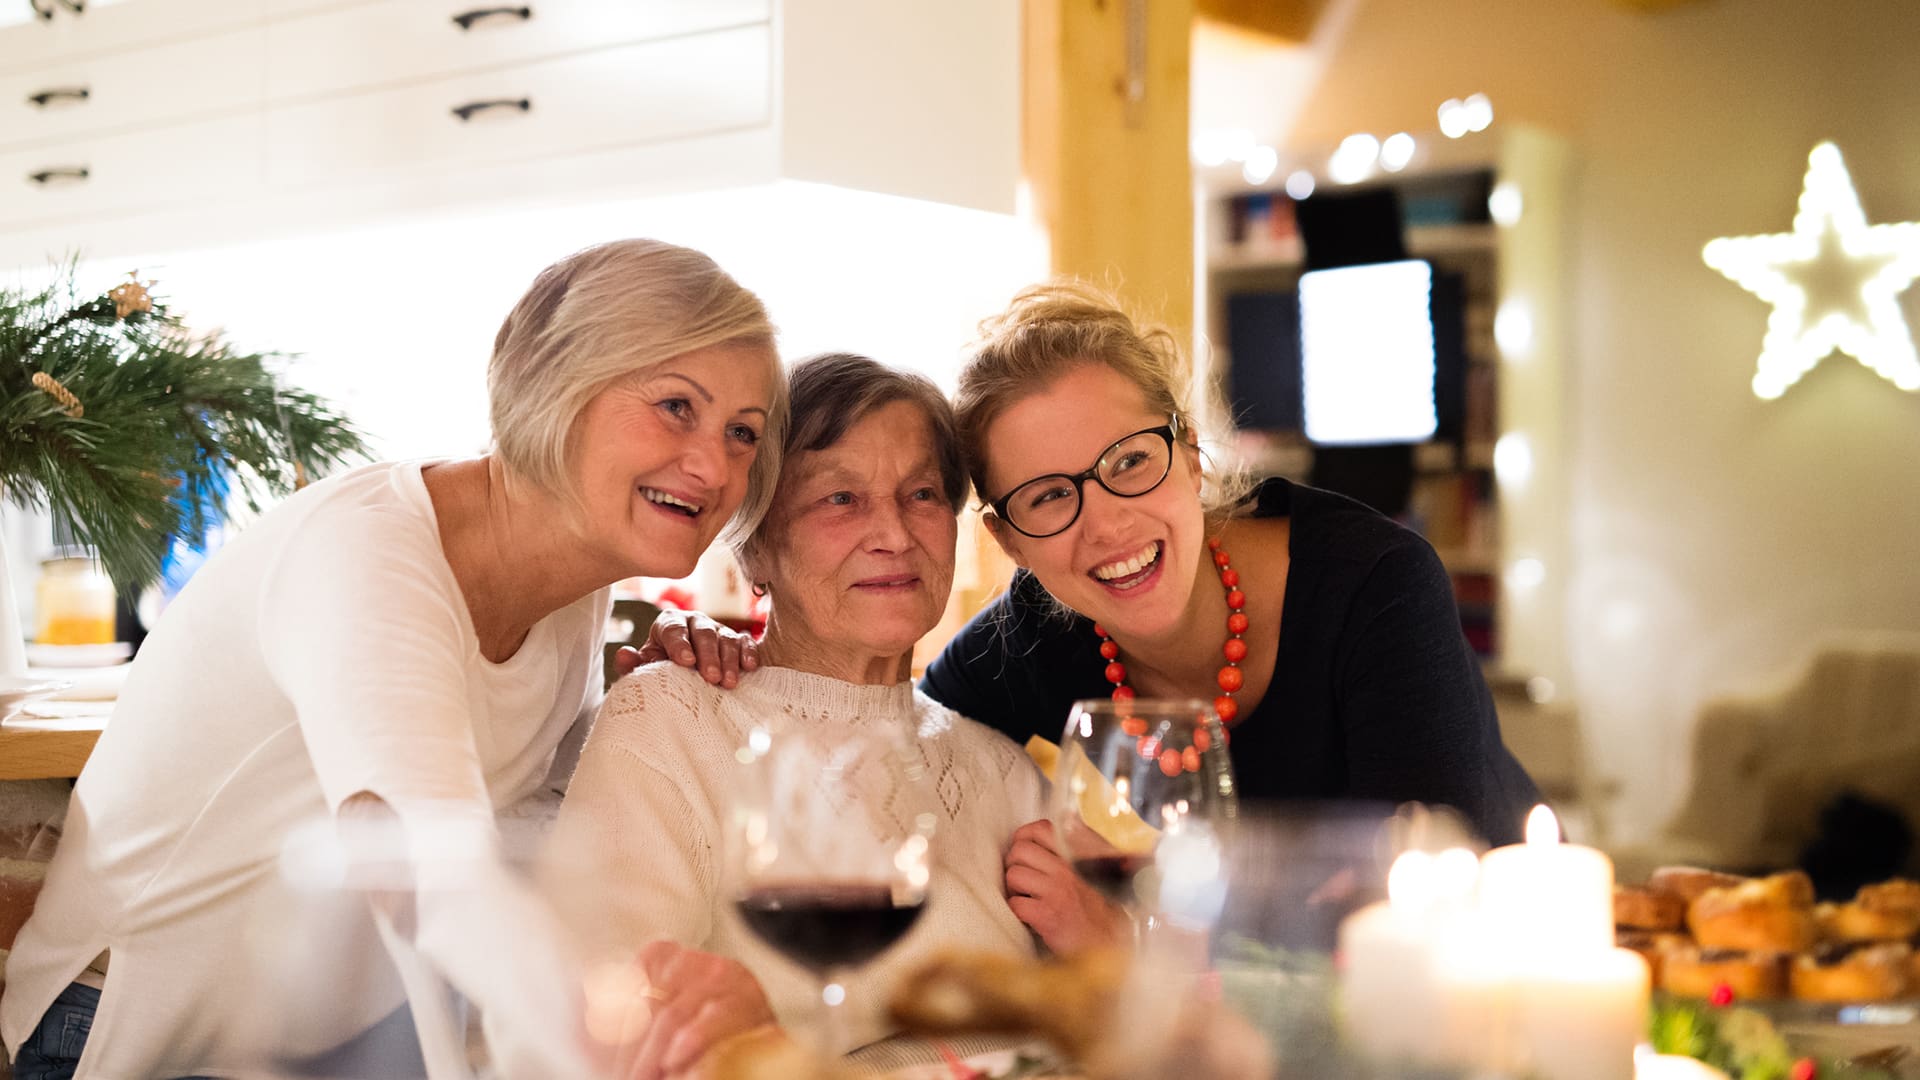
858,551
1127,563
663,455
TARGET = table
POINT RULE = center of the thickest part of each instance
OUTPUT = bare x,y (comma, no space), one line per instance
33,748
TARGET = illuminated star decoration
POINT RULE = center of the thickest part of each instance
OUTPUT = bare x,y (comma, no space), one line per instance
1832,282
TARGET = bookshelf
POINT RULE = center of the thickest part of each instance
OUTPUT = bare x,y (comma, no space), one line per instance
1481,522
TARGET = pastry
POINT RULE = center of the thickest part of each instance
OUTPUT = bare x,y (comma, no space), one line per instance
1646,909
1688,882
1856,922
1653,947
1869,973
1692,972
1771,914
1070,1003
1897,895
1077,1005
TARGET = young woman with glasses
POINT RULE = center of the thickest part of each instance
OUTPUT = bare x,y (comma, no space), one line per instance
1325,633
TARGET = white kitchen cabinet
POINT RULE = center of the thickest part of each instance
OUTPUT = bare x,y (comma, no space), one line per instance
87,95
388,42
212,122
611,97
126,26
45,195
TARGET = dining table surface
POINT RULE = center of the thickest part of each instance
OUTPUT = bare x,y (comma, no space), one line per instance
34,747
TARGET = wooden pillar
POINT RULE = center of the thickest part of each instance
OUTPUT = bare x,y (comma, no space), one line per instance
1105,134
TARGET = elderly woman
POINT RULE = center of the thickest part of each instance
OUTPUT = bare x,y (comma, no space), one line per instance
406,643
856,556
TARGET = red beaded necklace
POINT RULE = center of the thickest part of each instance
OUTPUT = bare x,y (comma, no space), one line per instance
1230,677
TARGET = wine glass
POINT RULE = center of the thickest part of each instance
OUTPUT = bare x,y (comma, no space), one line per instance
1141,802
829,846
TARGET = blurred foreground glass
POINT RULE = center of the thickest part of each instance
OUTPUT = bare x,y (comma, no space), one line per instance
1295,872
330,986
1141,803
338,993
829,848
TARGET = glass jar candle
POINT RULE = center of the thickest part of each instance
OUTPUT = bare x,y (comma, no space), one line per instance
74,603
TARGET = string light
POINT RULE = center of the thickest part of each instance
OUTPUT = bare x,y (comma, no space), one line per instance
1355,159
1832,282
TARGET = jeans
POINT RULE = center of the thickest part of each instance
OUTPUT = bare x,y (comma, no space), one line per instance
389,1049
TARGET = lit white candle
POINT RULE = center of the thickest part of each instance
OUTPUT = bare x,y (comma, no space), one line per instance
1581,1020
1547,898
1648,1065
1388,999
1571,1006
1393,1007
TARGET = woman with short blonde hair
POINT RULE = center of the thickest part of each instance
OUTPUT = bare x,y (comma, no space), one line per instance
403,645
603,314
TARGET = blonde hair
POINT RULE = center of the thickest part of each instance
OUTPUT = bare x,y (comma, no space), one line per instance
1053,327
604,314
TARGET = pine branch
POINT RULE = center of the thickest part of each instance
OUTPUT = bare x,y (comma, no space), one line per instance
165,427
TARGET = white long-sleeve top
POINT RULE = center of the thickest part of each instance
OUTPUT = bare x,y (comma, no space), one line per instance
637,852
326,651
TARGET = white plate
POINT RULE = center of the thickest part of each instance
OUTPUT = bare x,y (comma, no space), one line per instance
17,690
66,656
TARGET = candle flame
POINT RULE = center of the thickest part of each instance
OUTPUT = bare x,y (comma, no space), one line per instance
1542,827
1410,881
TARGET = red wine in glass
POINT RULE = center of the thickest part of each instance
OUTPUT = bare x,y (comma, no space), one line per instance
1112,875
827,925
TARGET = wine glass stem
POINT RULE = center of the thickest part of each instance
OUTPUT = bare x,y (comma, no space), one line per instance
833,996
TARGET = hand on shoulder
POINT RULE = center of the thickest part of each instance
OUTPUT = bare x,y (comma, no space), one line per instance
692,640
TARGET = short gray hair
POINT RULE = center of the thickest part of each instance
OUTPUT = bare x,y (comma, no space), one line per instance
601,315
830,392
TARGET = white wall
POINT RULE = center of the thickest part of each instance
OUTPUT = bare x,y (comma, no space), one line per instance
395,323
1716,537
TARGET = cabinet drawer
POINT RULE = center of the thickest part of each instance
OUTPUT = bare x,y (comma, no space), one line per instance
199,77
635,93
390,41
141,170
117,26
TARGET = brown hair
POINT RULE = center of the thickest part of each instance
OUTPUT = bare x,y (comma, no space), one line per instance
603,314
1048,330
830,392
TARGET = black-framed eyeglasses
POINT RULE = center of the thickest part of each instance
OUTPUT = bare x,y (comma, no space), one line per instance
1049,505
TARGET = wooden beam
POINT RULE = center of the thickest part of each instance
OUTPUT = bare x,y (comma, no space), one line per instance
1105,154
1289,21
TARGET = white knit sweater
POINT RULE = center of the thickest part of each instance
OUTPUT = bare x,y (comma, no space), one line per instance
635,855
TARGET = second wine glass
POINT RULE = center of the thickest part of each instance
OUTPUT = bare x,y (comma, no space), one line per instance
1141,803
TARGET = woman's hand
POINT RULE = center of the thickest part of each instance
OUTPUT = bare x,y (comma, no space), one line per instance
1050,898
700,999
692,640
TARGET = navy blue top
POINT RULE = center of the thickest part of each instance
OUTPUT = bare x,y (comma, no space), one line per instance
1376,694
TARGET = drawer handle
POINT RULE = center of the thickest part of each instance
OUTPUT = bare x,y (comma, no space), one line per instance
72,173
45,8
466,19
473,108
52,94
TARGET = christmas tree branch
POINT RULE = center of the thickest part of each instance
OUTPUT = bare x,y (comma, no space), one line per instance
132,431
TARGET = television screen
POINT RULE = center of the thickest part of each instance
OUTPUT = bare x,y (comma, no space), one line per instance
1367,354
